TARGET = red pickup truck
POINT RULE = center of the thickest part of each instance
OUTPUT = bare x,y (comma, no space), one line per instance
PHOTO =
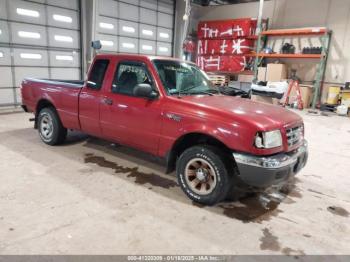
169,108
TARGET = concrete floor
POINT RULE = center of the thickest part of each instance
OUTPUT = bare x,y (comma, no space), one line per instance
90,197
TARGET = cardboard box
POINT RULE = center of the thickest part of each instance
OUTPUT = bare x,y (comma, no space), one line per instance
245,78
262,99
276,72
262,74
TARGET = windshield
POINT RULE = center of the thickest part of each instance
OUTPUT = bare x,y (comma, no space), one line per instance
183,78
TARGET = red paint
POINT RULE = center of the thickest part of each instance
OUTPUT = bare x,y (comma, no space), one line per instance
145,124
222,44
231,28
225,46
222,63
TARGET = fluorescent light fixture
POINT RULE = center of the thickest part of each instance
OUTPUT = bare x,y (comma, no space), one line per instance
62,18
1,54
128,29
64,57
107,43
30,56
147,47
27,12
163,49
147,32
106,26
26,34
128,45
63,38
0,31
164,35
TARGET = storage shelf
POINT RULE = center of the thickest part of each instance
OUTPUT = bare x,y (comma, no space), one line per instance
296,31
252,37
286,55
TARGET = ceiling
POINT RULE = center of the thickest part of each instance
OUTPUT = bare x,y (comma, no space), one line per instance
221,2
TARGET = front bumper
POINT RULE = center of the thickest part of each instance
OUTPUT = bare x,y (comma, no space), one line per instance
265,171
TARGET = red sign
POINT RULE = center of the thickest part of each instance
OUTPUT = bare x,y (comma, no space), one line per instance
220,29
238,46
214,63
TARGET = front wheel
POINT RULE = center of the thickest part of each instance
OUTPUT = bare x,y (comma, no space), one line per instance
204,175
50,127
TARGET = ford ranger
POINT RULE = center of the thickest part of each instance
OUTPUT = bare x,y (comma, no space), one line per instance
169,108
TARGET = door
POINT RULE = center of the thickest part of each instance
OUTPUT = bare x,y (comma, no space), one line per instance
129,119
90,98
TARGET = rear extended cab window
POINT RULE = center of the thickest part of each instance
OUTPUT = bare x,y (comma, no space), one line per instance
97,74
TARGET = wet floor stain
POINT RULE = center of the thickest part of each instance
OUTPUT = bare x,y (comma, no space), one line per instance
306,235
289,220
288,200
289,251
338,211
291,189
294,193
153,179
251,209
269,242
141,178
319,193
197,204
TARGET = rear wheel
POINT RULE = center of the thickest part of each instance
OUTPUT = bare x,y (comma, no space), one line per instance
50,127
204,174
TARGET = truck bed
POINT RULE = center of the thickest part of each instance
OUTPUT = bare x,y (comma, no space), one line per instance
64,93
61,82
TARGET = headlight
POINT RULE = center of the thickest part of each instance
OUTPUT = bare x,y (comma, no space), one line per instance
269,139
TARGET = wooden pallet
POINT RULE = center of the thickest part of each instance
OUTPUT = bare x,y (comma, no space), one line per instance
219,80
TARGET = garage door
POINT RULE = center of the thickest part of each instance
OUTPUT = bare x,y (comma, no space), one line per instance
135,26
37,39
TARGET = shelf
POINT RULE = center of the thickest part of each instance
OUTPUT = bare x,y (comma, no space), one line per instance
286,55
296,31
252,37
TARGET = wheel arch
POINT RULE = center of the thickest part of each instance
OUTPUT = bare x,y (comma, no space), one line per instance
42,103
188,140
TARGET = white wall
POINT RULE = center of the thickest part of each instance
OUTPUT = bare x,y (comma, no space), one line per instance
334,14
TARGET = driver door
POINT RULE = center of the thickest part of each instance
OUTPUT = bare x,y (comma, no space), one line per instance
128,119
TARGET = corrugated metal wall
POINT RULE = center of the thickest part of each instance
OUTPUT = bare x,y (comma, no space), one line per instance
37,39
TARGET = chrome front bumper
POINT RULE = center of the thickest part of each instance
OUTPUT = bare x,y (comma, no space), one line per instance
264,171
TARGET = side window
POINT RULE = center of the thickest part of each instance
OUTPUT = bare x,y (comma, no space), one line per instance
97,74
128,76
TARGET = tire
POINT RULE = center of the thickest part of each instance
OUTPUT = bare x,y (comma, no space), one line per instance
51,130
204,165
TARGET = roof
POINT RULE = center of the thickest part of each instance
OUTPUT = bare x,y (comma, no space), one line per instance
149,57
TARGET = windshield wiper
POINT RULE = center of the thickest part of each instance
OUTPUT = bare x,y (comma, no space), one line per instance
207,92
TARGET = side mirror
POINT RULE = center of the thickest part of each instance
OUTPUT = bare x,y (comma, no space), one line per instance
145,90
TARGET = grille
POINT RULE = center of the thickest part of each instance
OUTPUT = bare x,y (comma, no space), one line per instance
294,135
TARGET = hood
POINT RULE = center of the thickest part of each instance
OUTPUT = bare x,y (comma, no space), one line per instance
264,116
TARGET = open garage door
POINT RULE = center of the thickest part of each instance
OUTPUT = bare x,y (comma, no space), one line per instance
134,26
37,39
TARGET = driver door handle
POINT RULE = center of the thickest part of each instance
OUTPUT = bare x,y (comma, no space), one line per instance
107,101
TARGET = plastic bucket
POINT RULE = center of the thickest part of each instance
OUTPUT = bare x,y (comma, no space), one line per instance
333,95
